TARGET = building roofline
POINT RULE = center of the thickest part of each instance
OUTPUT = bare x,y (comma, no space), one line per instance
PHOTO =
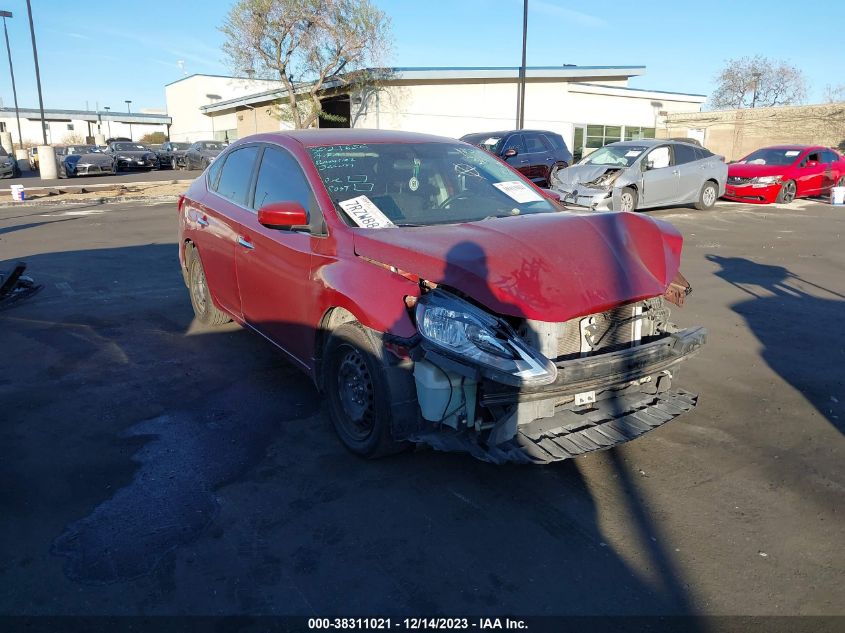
55,114
192,75
688,96
406,73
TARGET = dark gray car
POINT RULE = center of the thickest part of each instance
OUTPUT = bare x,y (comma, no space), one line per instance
131,155
172,154
201,154
83,160
635,175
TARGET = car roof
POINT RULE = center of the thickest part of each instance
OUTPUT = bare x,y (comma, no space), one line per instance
346,136
506,132
800,147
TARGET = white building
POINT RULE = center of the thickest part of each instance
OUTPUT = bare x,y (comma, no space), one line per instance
64,126
186,96
588,105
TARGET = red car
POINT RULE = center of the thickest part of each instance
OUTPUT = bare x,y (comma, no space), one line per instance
436,296
783,173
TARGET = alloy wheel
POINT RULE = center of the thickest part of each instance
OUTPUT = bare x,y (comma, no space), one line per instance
709,196
198,292
627,202
788,192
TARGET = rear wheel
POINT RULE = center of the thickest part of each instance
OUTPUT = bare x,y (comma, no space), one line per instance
628,199
204,308
707,197
787,192
357,392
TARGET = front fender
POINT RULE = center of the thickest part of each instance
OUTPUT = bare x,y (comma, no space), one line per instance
372,293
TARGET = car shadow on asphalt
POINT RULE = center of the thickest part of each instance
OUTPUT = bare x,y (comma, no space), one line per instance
174,460
797,322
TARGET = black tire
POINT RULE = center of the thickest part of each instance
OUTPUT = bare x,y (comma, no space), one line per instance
204,164
16,171
204,309
357,392
787,192
707,197
628,199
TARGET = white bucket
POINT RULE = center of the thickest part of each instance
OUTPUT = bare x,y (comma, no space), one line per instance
837,195
18,193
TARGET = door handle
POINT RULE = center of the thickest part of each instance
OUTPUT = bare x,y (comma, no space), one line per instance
202,220
676,172
245,242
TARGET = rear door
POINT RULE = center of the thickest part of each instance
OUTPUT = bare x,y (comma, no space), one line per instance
660,183
277,294
830,176
691,172
217,222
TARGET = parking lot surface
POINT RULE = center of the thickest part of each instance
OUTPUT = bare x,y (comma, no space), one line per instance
151,466
32,180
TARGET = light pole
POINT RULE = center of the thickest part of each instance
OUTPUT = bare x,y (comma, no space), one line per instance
756,75
520,91
8,14
212,98
108,121
254,118
129,111
37,71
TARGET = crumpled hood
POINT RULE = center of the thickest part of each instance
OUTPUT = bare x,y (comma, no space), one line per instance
745,170
548,267
579,174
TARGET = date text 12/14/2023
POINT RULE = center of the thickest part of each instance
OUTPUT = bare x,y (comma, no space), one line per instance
417,624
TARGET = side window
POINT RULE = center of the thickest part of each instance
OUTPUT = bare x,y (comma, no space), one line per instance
829,157
236,174
516,141
214,173
280,178
811,156
701,153
533,143
684,153
659,157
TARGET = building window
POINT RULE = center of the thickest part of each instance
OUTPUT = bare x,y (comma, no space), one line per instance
70,126
634,133
601,135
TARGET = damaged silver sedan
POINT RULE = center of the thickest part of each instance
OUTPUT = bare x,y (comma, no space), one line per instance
640,174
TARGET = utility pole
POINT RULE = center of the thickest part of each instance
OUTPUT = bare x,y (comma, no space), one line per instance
128,102
8,14
520,91
37,71
108,121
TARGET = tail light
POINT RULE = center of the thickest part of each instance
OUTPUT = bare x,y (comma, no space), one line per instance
181,202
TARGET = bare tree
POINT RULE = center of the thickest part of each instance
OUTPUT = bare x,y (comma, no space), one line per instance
307,45
834,94
756,82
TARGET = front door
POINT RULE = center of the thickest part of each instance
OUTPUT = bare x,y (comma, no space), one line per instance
811,174
274,266
660,181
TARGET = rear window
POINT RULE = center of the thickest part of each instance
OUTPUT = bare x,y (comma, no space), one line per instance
684,153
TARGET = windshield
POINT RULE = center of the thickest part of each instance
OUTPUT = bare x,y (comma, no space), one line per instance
130,147
180,145
419,184
491,142
772,156
619,155
213,146
79,149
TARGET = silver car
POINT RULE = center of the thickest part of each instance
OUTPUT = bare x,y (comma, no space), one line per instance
640,174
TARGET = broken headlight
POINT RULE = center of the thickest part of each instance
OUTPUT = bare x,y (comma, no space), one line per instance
460,330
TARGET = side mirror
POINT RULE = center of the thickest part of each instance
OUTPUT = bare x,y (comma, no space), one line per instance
647,164
510,152
282,215
551,194
812,163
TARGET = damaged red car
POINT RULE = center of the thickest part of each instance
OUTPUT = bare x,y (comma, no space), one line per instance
436,296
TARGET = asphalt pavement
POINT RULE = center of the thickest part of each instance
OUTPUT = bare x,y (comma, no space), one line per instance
151,466
32,179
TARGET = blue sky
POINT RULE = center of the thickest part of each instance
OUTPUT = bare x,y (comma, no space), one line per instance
111,51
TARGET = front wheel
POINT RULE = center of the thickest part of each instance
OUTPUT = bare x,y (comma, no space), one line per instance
707,197
628,199
357,392
173,164
787,192
553,172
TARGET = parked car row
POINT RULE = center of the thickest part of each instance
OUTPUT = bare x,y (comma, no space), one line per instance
119,154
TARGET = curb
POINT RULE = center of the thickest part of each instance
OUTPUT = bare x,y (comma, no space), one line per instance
109,185
92,201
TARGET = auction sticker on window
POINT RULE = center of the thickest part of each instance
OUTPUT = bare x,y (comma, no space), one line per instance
518,191
365,214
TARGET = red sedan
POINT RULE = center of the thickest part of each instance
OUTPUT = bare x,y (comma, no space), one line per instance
783,173
436,296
